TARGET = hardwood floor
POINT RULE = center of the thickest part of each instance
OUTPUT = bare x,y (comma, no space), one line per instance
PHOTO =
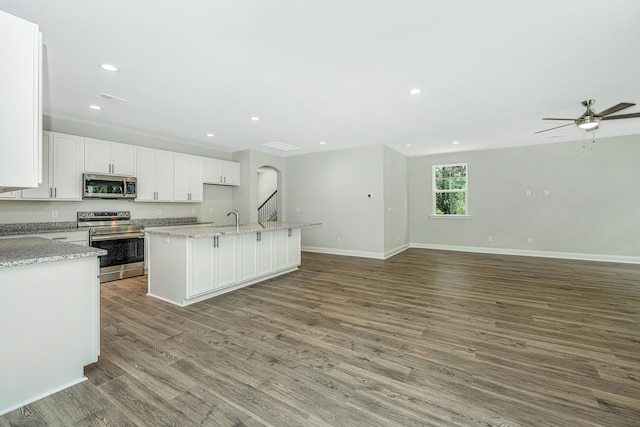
426,338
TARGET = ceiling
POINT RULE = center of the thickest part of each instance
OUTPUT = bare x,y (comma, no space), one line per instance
339,71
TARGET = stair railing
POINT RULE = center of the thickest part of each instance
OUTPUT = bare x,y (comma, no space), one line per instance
268,210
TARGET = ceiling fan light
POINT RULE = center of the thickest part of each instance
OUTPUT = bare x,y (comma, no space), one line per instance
588,122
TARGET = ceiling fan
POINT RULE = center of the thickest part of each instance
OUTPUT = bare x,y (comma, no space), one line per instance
590,120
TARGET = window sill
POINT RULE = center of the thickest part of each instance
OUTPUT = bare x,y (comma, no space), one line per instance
450,216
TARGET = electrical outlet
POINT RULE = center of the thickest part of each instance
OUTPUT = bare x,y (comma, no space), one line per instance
54,213
159,211
193,211
491,238
339,240
529,240
546,192
528,193
297,210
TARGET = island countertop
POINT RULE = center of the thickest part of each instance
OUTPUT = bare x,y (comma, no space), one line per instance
203,231
36,250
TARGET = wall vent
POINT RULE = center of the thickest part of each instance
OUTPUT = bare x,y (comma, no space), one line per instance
281,146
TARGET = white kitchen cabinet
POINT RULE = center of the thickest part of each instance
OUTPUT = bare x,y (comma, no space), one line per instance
109,158
155,175
221,172
20,104
287,248
213,264
256,254
187,184
62,167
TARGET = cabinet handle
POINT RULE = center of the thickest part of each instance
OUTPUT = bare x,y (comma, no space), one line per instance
55,192
290,232
225,179
51,192
221,178
258,236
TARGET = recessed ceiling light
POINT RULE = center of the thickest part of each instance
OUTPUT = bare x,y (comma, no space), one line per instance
415,91
456,142
95,107
210,135
108,67
408,145
255,118
322,142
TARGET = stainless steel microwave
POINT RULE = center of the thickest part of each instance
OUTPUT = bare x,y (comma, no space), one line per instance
108,186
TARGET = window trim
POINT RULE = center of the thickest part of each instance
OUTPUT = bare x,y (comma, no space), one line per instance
434,190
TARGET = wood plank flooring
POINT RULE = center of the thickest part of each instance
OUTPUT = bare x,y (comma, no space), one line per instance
426,338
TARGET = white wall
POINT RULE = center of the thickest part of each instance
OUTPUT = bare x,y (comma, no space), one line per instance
591,211
267,183
333,188
396,204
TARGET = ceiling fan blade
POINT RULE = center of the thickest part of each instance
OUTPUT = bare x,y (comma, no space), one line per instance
554,118
615,108
557,127
622,116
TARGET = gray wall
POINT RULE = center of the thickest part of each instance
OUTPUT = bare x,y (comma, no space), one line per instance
396,204
333,188
591,211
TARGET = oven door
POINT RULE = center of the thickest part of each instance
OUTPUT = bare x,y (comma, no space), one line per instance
124,258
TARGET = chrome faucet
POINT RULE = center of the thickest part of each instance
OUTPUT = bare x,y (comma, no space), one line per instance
236,214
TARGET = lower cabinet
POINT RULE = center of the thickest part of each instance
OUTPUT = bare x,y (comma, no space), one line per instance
183,270
213,264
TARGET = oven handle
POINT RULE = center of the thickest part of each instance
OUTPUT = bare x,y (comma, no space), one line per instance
118,237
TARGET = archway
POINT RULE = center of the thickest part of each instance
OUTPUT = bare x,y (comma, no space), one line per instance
268,197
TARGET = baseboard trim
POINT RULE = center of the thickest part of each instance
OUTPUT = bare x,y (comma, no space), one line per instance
532,253
344,252
396,251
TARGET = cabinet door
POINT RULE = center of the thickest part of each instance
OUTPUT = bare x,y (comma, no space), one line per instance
211,173
248,256
230,172
44,190
146,167
123,159
265,252
97,156
164,176
201,258
67,166
21,129
194,175
226,261
282,249
180,178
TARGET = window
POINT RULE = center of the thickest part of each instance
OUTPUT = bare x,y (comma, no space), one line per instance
450,190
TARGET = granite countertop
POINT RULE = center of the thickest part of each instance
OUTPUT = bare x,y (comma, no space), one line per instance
37,227
212,230
36,250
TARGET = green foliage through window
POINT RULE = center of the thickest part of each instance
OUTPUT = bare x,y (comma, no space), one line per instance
450,189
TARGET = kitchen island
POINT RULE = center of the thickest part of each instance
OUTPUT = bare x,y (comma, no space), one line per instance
49,317
194,263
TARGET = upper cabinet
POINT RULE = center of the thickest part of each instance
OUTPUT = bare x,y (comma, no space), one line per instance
155,175
187,182
62,167
109,158
221,172
20,104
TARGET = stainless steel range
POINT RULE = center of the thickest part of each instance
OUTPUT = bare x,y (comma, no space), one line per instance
124,243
